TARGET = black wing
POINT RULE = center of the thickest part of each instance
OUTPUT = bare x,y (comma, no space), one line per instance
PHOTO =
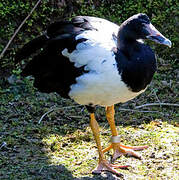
52,71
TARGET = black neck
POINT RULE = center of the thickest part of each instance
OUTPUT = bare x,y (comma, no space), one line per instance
136,61
126,39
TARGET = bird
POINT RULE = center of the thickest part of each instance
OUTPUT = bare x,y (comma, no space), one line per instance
95,62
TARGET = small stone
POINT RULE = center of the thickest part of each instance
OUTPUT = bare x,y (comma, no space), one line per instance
160,167
152,155
165,83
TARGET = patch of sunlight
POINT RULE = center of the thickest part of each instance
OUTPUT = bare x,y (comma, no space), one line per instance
73,151
78,153
169,171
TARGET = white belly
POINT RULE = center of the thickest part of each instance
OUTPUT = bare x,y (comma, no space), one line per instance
101,89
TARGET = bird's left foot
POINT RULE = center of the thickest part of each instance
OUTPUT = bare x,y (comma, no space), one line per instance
106,166
120,149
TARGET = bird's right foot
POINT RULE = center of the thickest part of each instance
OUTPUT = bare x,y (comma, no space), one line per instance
120,149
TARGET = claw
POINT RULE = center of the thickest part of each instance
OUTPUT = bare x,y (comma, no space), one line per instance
135,148
128,152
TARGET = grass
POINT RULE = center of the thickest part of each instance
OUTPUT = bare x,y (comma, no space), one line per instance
62,145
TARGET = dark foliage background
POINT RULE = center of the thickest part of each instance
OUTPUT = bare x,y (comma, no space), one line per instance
164,15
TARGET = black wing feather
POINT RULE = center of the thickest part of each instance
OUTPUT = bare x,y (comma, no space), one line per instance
52,71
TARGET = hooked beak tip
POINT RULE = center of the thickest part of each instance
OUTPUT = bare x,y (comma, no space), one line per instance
160,39
167,42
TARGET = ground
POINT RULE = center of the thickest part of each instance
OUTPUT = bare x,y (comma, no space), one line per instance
60,144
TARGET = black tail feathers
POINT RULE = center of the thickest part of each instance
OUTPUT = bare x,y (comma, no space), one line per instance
30,48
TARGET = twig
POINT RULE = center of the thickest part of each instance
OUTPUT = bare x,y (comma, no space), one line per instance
17,30
3,145
122,109
67,107
133,110
77,117
46,114
41,169
156,104
157,98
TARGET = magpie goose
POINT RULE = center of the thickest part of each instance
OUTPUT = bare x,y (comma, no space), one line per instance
95,62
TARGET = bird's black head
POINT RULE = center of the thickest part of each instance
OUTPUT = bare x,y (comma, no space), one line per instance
140,27
135,26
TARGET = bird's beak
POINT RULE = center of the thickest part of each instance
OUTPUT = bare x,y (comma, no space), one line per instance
156,36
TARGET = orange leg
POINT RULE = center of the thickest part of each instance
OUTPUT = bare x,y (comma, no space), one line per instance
119,149
103,164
